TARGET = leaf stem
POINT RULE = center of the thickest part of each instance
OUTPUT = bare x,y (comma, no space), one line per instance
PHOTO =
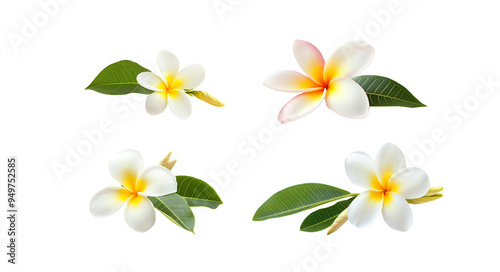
345,196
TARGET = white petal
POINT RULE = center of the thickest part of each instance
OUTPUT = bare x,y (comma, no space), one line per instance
291,81
345,97
125,167
411,182
310,60
180,103
389,160
140,214
156,180
169,65
348,60
365,208
151,82
360,169
189,77
397,212
156,103
108,200
300,106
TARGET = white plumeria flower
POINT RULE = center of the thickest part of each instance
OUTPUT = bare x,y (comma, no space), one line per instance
169,88
389,184
126,168
330,81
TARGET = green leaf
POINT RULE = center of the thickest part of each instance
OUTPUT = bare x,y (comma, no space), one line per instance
298,198
119,78
175,208
197,192
384,92
323,218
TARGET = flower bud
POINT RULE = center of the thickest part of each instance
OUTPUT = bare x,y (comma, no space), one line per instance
434,190
424,199
167,163
339,221
210,99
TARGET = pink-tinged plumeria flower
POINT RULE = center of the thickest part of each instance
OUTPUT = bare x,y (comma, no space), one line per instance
389,183
169,88
330,81
126,167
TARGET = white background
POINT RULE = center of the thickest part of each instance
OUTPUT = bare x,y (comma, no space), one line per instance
441,51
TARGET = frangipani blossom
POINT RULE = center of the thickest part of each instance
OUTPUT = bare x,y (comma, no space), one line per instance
126,167
330,81
169,87
389,182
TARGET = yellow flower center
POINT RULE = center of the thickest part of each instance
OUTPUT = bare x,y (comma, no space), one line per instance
133,184
383,185
129,180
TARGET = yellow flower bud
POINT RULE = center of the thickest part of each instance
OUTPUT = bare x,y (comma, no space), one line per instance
170,164
434,190
339,221
210,99
167,163
424,199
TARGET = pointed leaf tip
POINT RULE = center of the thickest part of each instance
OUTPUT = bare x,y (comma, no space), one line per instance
385,92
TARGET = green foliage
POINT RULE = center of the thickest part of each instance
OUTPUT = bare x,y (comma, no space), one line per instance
323,218
119,78
197,192
384,92
298,198
175,208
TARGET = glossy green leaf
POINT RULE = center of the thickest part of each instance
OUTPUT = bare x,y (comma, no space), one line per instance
298,198
119,78
175,208
323,218
385,92
197,192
